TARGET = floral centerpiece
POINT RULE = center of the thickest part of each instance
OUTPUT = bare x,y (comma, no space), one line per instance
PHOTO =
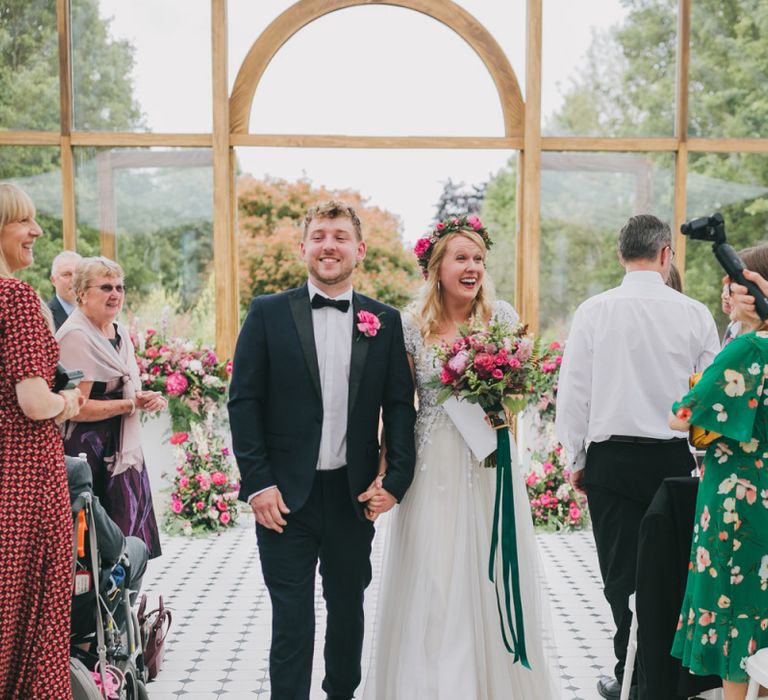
555,505
190,375
546,378
204,491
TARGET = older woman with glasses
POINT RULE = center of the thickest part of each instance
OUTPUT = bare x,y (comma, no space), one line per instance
107,428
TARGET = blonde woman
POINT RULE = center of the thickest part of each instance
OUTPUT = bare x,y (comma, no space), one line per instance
36,532
438,633
107,429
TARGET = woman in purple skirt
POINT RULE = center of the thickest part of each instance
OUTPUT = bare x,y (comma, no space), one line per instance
107,429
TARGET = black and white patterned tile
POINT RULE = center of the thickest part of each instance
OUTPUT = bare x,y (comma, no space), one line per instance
219,643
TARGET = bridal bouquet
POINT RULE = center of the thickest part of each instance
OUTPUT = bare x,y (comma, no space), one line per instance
493,368
496,369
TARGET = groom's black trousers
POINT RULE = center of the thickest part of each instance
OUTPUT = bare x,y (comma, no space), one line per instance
326,529
621,479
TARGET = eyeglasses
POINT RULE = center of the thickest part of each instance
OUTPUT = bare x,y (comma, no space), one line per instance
107,288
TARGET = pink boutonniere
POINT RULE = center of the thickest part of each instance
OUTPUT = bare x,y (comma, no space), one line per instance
368,324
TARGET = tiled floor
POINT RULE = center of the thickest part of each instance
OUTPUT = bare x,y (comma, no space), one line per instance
219,642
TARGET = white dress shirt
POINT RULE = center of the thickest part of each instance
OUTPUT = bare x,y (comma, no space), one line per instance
629,355
333,343
69,308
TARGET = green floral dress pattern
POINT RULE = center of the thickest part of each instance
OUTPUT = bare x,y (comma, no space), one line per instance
724,617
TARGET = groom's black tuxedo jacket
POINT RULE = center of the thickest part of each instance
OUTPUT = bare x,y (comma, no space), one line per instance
276,408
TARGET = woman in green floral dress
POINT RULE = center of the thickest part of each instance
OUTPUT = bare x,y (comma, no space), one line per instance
724,617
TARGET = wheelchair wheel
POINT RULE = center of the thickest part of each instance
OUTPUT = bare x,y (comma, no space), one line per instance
134,688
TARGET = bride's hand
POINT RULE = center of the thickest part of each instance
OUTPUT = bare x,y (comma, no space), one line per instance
377,499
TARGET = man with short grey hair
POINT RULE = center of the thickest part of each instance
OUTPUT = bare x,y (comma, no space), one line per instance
629,355
63,302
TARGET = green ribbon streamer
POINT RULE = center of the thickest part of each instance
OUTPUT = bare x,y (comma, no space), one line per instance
504,521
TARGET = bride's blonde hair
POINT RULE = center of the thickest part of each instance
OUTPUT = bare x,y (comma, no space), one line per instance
427,310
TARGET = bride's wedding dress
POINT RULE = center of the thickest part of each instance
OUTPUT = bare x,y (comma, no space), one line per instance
437,634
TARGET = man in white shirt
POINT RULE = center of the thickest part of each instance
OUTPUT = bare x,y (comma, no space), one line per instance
309,382
63,302
629,355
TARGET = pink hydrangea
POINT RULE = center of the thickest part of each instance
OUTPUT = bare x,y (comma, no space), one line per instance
458,363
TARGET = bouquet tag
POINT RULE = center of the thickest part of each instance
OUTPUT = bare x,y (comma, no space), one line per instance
470,420
82,582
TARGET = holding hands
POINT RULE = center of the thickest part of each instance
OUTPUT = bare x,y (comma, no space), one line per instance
377,499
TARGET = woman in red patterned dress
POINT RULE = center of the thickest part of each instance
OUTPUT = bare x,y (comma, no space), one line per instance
36,532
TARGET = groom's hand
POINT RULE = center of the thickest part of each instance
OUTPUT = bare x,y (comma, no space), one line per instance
377,499
269,508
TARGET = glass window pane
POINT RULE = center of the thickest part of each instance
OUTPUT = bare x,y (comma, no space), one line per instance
278,185
29,65
585,200
37,171
505,21
340,75
158,204
609,71
735,184
729,53
142,66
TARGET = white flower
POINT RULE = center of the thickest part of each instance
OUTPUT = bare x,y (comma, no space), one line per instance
726,485
722,452
195,366
763,573
735,385
755,368
749,447
722,416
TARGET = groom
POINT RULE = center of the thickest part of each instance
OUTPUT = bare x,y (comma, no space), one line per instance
309,384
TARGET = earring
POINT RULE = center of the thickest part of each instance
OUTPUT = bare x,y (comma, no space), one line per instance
438,285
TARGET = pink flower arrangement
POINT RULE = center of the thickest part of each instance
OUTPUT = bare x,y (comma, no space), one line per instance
368,324
189,374
204,497
555,505
492,367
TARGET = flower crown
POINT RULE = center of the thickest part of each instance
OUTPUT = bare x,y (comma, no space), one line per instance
425,245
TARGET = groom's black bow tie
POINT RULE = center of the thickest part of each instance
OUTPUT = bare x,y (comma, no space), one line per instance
319,301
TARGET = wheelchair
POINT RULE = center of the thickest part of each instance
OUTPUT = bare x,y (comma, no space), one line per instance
105,636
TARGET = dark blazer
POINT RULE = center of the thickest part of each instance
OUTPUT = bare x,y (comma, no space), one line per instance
59,315
276,409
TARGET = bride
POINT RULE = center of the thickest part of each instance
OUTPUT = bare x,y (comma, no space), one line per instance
437,634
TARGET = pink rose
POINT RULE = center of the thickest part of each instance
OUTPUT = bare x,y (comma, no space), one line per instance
228,367
368,323
219,478
455,221
177,507
548,468
421,247
545,500
574,513
440,226
532,479
474,222
445,376
224,517
179,438
184,482
199,505
497,374
176,384
221,505
150,332
151,353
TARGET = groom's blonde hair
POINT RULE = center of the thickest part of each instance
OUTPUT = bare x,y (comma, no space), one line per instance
428,311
